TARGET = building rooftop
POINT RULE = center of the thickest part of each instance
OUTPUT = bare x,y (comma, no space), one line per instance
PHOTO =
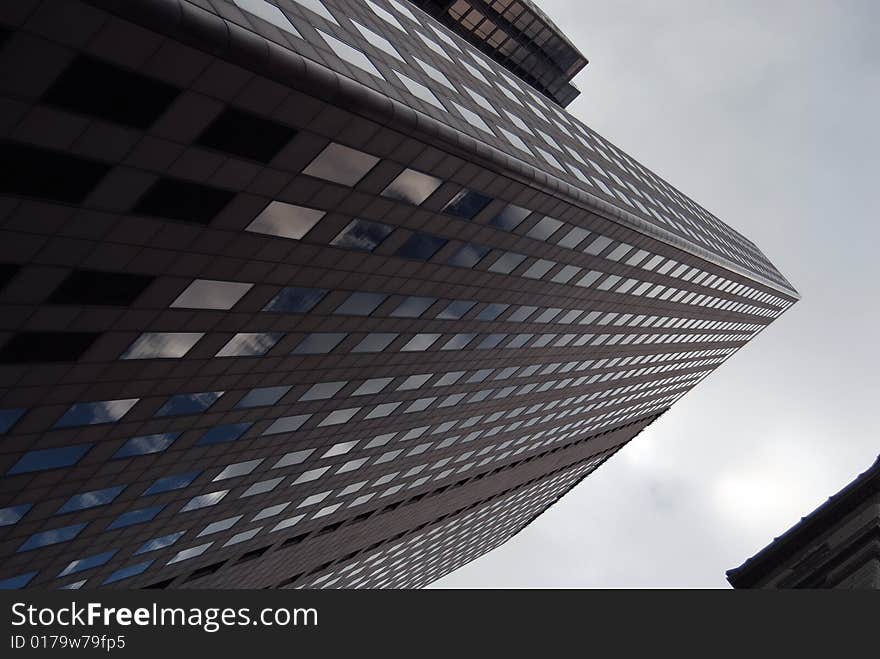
812,526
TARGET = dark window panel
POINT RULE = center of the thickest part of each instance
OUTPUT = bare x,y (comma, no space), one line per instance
89,86
246,135
116,289
466,204
183,200
49,458
33,172
362,235
38,347
7,272
421,246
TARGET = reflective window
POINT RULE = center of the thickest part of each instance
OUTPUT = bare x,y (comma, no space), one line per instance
385,15
128,572
268,12
237,469
375,342
491,341
412,187
204,500
9,418
420,342
522,313
362,235
421,246
18,581
507,262
339,416
96,560
318,7
11,514
319,343
160,542
262,396
573,238
538,269
598,245
295,300
382,410
544,229
226,433
211,294
49,458
146,444
285,220
249,344
416,381
456,309
466,204
88,414
418,90
413,307
360,304
310,475
133,517
472,118
262,487
192,552
162,345
323,390
286,424
51,537
434,73
492,311
341,164
378,41
458,341
566,274
189,403
350,54
169,483
372,386
293,458
90,499
468,255
339,449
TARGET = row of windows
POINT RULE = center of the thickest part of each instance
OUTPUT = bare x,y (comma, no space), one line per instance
64,534
730,243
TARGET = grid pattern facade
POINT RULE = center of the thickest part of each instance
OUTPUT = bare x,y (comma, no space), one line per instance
267,315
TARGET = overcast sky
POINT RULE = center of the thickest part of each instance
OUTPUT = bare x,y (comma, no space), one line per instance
766,114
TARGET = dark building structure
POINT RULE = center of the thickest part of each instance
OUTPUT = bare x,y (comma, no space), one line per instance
835,546
518,35
313,293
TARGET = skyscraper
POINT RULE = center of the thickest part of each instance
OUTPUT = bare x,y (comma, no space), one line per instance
318,293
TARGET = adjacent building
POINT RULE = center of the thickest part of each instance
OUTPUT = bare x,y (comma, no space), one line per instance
835,546
319,293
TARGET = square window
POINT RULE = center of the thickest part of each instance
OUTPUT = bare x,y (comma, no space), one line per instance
413,307
295,300
421,246
87,414
507,262
211,294
360,304
319,343
466,204
246,135
362,235
468,255
249,344
189,403
341,164
285,220
412,187
162,345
